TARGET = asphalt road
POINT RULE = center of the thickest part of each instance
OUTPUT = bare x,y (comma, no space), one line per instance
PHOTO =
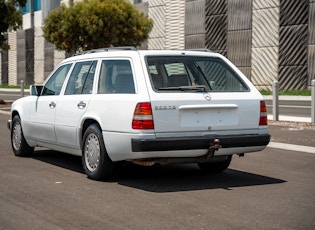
273,189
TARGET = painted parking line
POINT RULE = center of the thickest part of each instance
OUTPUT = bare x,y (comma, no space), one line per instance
298,148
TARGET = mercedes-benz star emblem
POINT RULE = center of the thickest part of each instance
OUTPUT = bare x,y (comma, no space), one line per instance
207,96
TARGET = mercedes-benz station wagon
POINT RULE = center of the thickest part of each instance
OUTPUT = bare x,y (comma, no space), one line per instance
142,106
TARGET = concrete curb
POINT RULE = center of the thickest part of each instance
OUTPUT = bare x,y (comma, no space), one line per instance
290,147
13,90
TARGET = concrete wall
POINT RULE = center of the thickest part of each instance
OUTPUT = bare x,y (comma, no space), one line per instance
269,40
265,43
311,43
293,42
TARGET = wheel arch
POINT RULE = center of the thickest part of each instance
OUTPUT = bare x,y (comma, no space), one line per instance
14,113
86,123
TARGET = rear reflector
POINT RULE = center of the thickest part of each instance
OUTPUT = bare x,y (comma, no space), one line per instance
263,120
142,116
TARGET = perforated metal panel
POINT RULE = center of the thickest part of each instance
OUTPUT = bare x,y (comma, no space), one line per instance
4,67
194,24
194,41
195,17
292,77
20,59
239,47
216,26
293,12
293,44
239,14
216,32
215,7
29,53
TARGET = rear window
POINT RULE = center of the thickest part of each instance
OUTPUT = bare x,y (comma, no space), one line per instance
186,73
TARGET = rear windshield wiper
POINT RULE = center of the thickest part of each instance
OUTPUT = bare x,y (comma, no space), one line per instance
186,88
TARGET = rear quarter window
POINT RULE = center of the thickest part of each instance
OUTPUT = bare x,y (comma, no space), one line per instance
116,77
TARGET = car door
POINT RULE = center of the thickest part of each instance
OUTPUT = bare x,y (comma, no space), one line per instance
74,103
42,112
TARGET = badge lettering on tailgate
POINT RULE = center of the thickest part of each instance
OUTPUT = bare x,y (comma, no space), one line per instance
165,107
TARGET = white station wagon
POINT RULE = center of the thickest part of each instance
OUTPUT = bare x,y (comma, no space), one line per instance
143,106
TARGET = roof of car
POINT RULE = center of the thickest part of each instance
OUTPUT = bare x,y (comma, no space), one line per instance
132,48
130,51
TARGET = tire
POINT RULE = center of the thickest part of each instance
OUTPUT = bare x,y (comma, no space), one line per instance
215,167
95,160
18,142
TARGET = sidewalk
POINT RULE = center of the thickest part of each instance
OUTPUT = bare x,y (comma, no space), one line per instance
292,118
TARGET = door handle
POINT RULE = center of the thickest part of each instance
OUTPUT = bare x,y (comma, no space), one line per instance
52,105
81,105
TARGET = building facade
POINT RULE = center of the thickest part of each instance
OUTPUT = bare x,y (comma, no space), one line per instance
268,40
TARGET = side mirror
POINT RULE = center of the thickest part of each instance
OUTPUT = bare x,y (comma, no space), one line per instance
35,90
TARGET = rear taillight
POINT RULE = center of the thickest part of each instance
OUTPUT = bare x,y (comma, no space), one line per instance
142,116
263,120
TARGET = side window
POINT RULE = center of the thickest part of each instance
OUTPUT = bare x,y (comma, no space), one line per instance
82,78
116,77
54,84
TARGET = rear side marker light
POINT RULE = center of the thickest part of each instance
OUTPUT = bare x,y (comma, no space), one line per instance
142,116
263,120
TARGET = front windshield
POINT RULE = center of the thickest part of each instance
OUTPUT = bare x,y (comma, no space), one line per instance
192,73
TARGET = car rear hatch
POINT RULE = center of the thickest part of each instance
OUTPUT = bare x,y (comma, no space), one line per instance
195,114
199,96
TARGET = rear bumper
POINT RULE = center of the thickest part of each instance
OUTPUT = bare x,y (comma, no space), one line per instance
148,145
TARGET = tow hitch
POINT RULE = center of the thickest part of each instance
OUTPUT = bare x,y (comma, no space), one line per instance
214,146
